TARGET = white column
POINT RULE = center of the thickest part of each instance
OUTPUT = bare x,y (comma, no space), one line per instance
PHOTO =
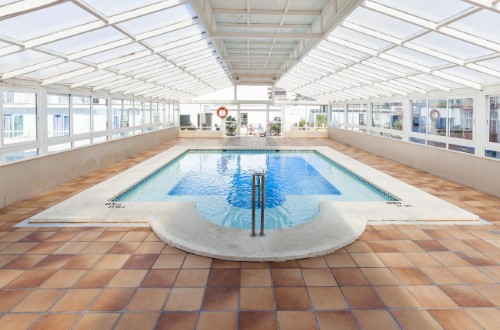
481,123
407,119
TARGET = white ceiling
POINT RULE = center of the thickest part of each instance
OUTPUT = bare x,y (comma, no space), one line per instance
330,50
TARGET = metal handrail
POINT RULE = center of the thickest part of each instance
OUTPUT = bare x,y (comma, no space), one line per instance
258,180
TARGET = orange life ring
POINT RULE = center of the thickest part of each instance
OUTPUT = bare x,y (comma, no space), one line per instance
222,112
434,114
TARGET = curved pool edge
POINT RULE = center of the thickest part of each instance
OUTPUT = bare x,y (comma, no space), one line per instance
329,231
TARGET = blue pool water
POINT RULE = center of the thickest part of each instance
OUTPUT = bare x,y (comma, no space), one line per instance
220,185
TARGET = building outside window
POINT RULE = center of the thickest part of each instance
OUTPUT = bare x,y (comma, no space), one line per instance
58,120
19,117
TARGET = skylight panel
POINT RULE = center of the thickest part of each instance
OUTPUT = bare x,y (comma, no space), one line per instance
22,59
87,76
373,71
174,36
153,59
113,7
383,23
416,57
86,41
436,80
114,53
484,24
54,70
435,11
471,75
339,49
391,65
451,46
359,38
159,19
493,64
45,21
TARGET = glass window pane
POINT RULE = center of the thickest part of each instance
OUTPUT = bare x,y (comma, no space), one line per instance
19,155
100,114
492,154
494,135
397,116
57,115
128,113
461,118
147,113
419,116
60,147
19,117
415,140
138,113
456,147
100,139
117,117
438,117
81,114
436,144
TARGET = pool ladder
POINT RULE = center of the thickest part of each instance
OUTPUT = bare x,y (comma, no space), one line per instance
259,184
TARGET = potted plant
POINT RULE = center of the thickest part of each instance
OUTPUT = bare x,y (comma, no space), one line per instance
230,125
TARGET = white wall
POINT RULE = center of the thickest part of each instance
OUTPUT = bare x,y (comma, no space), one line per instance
479,173
27,178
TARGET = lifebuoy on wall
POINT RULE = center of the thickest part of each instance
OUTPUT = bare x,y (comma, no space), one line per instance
222,112
434,114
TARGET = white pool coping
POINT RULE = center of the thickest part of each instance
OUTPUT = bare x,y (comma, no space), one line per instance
179,224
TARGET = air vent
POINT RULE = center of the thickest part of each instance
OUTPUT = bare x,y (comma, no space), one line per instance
237,77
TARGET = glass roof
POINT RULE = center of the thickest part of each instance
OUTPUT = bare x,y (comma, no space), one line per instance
180,49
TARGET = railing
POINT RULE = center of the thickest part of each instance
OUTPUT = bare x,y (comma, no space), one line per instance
259,184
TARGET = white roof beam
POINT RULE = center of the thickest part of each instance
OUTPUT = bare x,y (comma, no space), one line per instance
31,68
261,12
265,35
486,4
68,75
25,6
91,80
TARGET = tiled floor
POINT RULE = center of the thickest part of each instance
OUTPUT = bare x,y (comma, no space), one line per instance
394,276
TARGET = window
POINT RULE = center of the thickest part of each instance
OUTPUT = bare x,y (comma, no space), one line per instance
147,113
461,118
494,125
81,114
19,117
419,116
128,114
19,155
438,114
117,109
100,114
338,117
138,113
57,115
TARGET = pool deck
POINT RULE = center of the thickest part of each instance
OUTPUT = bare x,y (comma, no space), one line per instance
411,276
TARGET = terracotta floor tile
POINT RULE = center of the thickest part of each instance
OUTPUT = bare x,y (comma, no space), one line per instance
166,248
289,320
336,320
138,321
224,277
256,298
56,321
148,300
349,277
102,321
9,298
82,261
54,261
140,261
217,320
9,275
30,279
192,278
291,298
422,260
465,296
166,261
316,262
194,261
381,246
362,297
86,236
62,279
380,276
220,298
38,301
255,265
449,259
358,247
255,277
441,275
407,246
287,277
5,259
454,319
394,260
431,297
111,261
431,245
257,320
45,248
415,319
367,260
75,300
397,297
339,260
486,317
285,264
112,236
112,299
476,259
71,248
327,298
411,276
127,278
318,277
159,278
95,279
17,321
185,299
376,319
490,291
19,248
98,247
217,263
124,247
150,248
177,321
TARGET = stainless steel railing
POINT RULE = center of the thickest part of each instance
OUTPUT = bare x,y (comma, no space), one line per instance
259,183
